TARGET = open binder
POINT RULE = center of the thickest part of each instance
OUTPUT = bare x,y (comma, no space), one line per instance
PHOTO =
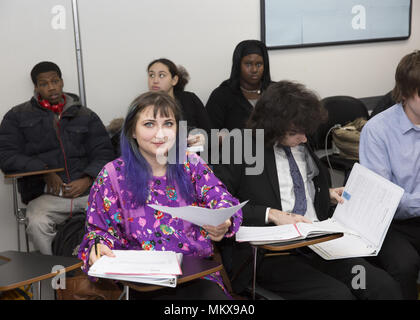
370,202
286,232
149,267
369,207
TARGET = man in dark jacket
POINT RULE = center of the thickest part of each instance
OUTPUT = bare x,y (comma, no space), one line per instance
52,130
293,187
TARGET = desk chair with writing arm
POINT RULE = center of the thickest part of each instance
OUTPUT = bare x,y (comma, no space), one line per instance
341,110
20,212
284,248
223,254
275,249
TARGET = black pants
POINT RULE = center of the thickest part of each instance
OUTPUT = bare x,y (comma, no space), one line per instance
308,276
399,255
194,290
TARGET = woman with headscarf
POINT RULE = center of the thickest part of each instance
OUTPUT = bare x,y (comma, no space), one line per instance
231,104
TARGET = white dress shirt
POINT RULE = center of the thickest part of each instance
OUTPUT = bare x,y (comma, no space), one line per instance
307,169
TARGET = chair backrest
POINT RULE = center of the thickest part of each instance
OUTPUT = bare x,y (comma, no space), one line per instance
384,103
341,110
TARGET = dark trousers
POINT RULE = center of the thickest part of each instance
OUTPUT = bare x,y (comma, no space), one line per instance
199,289
308,276
399,255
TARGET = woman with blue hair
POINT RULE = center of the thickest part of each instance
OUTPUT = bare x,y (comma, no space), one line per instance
118,213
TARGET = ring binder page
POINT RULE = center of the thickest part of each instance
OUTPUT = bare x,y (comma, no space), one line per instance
150,267
370,202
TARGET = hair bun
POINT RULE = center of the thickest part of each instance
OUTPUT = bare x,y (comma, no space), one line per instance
183,77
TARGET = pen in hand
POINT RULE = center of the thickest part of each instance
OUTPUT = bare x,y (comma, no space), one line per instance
97,252
98,249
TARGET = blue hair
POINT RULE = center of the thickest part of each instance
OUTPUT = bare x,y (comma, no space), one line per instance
138,172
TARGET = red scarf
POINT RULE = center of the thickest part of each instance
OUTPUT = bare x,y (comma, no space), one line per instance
57,108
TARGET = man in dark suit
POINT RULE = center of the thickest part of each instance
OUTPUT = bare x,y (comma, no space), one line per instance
293,187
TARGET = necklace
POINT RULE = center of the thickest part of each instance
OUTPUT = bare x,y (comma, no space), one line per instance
257,91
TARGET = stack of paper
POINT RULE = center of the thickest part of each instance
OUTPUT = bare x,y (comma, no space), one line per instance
370,202
150,267
287,232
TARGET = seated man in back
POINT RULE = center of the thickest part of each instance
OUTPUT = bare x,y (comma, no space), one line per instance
53,130
390,146
293,187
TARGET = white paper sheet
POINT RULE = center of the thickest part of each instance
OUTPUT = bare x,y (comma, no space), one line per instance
370,202
138,262
149,267
287,232
200,216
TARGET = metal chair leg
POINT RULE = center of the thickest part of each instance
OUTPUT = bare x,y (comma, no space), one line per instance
16,210
254,278
20,215
18,235
25,224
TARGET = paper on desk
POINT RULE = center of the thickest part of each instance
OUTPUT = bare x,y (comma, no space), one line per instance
287,232
200,216
368,209
148,267
137,262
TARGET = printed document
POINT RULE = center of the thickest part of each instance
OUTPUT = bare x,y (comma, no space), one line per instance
286,232
151,267
370,202
200,216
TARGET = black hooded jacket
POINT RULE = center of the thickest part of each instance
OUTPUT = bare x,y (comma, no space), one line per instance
227,107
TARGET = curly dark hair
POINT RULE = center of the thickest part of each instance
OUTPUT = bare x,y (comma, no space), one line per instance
287,106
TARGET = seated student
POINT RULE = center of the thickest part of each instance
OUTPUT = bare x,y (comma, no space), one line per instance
53,130
293,187
389,145
230,105
164,75
118,214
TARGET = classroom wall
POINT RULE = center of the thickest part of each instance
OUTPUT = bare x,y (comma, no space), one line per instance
119,39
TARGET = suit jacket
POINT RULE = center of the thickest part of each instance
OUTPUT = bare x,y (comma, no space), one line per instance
262,191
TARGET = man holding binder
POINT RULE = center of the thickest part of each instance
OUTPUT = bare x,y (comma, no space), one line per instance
293,187
390,146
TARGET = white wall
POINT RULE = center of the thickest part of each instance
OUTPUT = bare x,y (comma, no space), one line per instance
119,39
26,38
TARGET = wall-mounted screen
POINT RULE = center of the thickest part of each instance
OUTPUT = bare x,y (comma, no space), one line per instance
303,23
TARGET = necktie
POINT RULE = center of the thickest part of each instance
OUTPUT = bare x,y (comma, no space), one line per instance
298,185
